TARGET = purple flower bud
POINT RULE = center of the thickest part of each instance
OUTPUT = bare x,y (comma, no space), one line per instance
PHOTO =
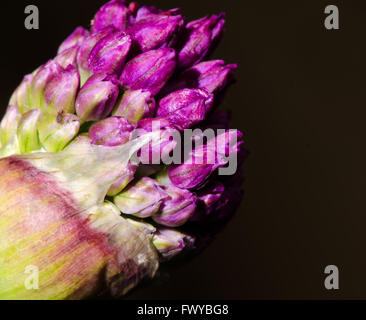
153,124
190,176
220,119
170,242
185,108
149,71
60,92
141,199
155,31
42,77
109,54
151,11
143,13
156,151
76,38
201,36
205,159
97,97
110,132
135,105
177,209
226,144
67,57
86,48
213,76
114,13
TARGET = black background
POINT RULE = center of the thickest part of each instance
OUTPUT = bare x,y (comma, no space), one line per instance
300,100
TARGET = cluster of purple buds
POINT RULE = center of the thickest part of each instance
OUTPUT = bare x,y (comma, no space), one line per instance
138,65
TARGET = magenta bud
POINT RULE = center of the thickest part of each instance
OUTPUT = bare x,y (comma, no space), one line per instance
156,151
60,92
109,54
205,159
97,97
201,36
135,105
76,38
170,242
112,131
115,13
142,198
151,11
156,31
40,80
225,144
190,176
67,57
145,12
213,76
185,108
86,48
177,209
149,71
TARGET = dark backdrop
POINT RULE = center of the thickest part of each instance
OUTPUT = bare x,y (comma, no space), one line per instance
300,99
